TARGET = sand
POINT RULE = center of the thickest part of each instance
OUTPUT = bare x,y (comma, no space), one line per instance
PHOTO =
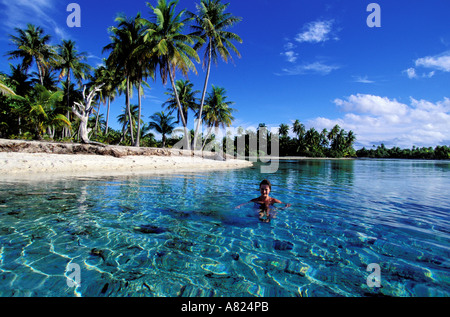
19,165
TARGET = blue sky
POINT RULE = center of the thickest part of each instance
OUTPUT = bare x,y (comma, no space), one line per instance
312,60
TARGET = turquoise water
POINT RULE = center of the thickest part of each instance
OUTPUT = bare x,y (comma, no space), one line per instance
180,234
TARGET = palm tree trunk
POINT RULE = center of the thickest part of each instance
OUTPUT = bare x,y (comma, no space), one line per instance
207,136
107,115
40,72
138,136
203,98
66,129
186,132
129,110
96,120
164,140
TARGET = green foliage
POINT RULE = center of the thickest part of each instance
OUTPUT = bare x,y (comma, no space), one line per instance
438,153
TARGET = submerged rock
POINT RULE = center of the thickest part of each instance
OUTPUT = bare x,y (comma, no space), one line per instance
150,229
98,252
282,245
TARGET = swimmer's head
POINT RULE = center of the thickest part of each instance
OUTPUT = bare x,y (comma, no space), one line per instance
265,187
266,182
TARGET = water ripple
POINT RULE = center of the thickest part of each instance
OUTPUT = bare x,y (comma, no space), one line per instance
181,236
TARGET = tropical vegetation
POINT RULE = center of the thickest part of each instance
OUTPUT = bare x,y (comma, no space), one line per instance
44,94
437,153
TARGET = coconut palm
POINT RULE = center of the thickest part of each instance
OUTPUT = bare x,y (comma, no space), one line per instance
334,132
211,24
20,80
186,96
110,77
299,129
126,121
324,142
32,46
5,90
126,41
42,111
217,111
162,123
351,138
283,130
166,41
69,61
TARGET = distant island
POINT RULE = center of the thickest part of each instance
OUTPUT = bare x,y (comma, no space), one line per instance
428,153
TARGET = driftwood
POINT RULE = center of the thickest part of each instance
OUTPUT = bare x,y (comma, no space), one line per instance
83,112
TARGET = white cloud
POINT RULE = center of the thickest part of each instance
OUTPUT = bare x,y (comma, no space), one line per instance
411,72
371,104
311,68
364,80
316,32
439,62
376,119
291,56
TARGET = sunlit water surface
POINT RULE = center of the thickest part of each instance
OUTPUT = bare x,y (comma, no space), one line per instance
180,234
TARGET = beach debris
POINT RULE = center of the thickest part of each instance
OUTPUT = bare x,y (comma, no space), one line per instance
83,111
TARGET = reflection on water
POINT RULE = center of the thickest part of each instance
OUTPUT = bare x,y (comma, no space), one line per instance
180,235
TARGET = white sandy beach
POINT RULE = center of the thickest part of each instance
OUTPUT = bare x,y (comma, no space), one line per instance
16,164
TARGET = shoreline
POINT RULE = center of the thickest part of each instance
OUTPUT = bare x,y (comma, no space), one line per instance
36,159
23,159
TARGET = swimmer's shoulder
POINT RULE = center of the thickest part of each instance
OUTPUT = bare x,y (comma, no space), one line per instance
276,201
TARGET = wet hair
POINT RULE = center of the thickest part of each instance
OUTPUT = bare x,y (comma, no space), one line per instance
266,182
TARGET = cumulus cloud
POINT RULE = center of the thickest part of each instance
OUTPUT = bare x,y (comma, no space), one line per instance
370,104
439,62
376,119
316,32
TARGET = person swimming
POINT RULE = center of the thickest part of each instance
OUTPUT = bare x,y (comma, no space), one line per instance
265,200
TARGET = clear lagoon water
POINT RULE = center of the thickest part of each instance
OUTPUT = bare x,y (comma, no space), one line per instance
180,234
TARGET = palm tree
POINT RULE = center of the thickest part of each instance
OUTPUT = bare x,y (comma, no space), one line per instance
217,112
20,80
211,24
334,132
283,130
126,41
163,124
186,96
324,142
70,61
5,90
42,111
127,121
351,138
312,140
108,76
166,41
32,45
299,129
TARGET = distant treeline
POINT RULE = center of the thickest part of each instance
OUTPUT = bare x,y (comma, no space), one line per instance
438,153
